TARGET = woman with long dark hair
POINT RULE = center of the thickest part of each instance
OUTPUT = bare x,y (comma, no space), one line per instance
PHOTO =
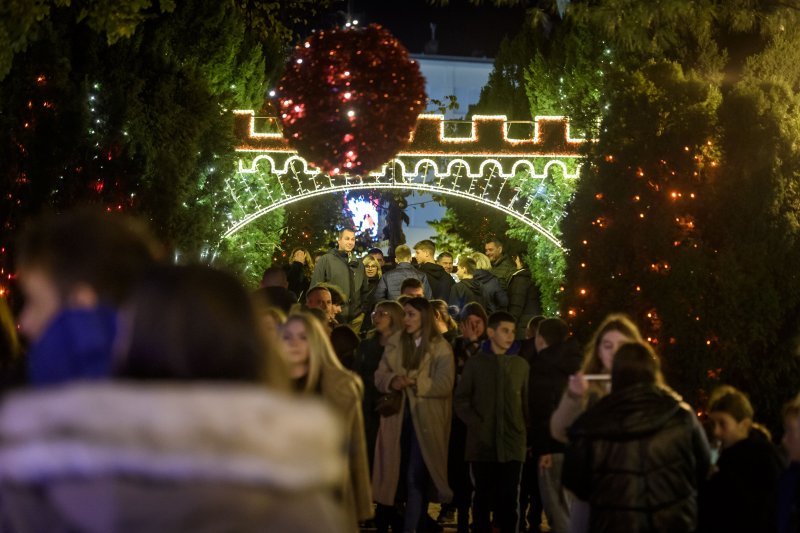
411,450
190,437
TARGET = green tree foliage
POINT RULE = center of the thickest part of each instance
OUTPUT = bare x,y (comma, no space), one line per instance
686,212
545,260
128,107
21,21
140,125
449,235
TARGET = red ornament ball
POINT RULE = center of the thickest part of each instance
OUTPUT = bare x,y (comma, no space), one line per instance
349,99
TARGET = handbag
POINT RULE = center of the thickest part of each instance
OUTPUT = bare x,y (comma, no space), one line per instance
389,404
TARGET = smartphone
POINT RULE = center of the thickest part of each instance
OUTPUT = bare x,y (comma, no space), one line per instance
597,377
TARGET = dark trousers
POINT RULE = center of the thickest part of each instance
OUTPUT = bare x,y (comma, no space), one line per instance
496,488
530,497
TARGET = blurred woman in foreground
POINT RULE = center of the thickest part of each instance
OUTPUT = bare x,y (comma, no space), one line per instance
154,451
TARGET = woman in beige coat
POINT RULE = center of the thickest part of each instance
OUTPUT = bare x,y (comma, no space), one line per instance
418,362
315,369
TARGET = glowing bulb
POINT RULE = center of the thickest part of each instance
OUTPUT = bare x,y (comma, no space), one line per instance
351,113
299,60
348,95
272,93
307,45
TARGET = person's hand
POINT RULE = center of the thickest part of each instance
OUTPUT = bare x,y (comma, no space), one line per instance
577,385
299,256
469,331
545,462
401,382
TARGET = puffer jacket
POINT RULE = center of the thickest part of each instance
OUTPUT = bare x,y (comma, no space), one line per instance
391,282
169,458
495,295
638,457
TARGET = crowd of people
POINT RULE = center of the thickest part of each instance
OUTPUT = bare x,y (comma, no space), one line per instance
349,391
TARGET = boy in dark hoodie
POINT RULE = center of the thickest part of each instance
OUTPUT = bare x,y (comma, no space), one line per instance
491,399
467,289
556,357
439,280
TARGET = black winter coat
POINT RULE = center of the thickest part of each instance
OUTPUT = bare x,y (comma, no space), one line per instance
638,457
495,295
742,494
503,268
439,280
549,371
368,357
523,299
298,278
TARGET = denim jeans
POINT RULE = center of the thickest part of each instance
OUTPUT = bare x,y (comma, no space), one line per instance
418,481
555,500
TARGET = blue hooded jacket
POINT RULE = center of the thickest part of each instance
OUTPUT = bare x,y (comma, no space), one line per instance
77,345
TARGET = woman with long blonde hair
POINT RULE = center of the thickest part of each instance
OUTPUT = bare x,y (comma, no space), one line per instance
315,370
299,271
387,319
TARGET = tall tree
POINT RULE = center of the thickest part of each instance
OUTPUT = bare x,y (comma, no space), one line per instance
129,107
689,184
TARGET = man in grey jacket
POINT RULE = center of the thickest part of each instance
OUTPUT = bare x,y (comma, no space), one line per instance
342,268
390,285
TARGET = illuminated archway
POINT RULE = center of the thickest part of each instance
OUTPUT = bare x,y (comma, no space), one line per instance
487,167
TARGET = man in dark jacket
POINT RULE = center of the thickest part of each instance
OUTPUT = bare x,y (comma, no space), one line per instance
491,399
439,280
502,265
342,268
556,356
523,296
638,455
390,285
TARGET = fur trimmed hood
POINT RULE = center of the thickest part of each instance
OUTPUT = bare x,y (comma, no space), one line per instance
240,434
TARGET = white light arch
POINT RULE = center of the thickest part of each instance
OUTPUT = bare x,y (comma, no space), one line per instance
482,181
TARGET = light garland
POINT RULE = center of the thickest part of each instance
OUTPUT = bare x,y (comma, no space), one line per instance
275,142
517,165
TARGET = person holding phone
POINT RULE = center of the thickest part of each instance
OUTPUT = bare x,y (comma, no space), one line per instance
639,455
615,330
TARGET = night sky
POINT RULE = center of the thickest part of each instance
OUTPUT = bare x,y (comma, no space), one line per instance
462,29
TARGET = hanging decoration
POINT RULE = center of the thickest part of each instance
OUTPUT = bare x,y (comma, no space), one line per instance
349,99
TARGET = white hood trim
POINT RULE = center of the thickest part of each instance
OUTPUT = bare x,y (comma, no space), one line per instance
226,433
